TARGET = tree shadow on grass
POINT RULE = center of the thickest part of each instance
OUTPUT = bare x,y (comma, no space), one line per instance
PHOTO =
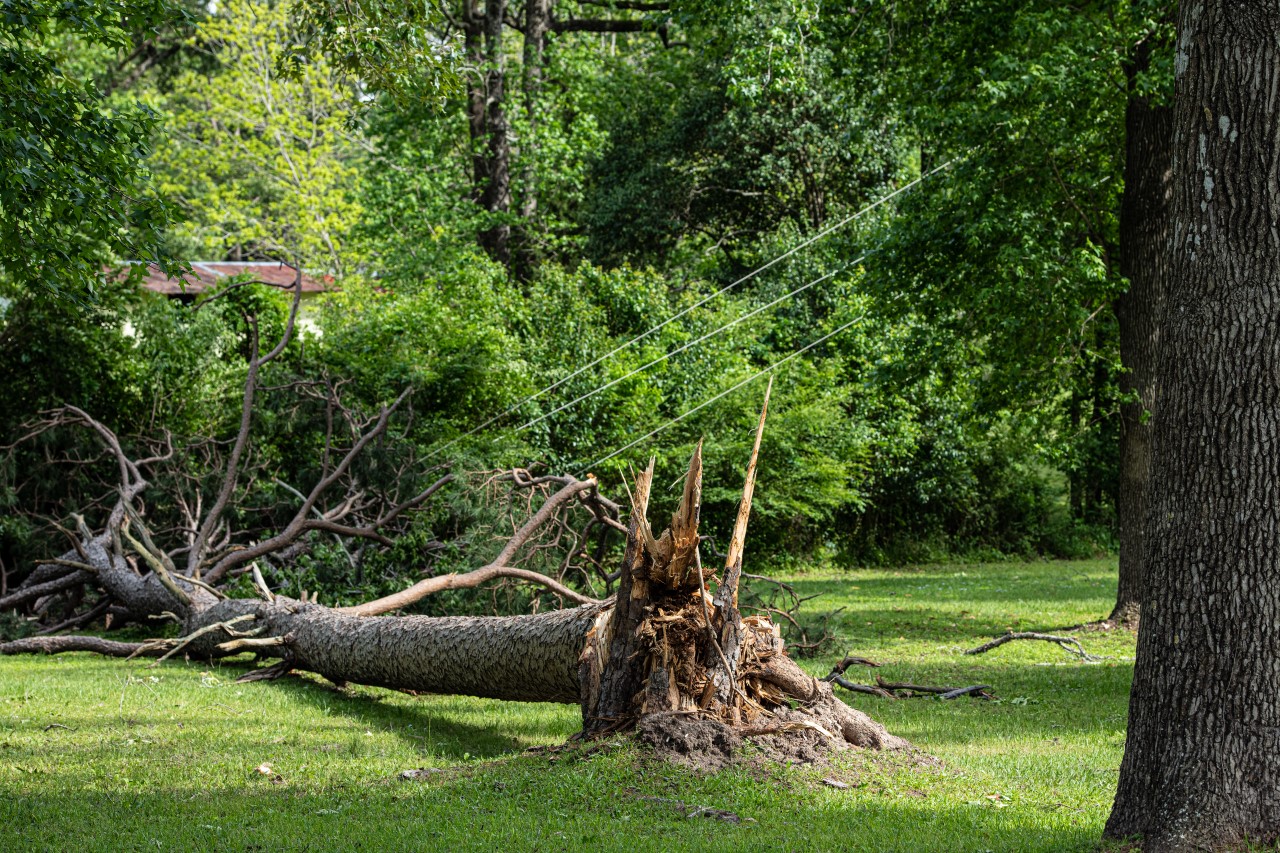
452,726
523,804
133,703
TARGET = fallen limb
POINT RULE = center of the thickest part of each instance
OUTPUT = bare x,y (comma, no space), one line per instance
976,689
849,660
466,580
224,626
869,689
80,619
891,689
1069,644
31,593
69,564
499,568
58,645
254,643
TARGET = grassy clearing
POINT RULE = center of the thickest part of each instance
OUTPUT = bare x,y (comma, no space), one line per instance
113,755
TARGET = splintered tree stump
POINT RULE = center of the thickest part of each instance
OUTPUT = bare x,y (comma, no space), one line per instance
671,646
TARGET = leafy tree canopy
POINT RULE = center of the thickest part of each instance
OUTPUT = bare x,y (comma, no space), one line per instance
73,190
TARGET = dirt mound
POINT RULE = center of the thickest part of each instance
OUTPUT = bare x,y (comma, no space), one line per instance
790,736
798,737
703,745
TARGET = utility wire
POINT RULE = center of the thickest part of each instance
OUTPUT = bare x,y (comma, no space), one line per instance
690,344
815,238
753,377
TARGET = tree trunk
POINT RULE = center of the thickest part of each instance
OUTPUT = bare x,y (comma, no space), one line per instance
516,658
1144,261
1202,761
537,23
482,24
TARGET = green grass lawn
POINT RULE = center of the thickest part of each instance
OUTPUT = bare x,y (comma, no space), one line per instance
113,755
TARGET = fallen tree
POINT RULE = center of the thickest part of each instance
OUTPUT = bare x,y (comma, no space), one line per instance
665,645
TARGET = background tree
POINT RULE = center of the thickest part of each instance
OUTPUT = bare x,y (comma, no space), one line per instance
656,161
264,164
1060,119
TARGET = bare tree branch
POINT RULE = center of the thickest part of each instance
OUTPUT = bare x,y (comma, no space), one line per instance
58,645
499,567
199,544
31,593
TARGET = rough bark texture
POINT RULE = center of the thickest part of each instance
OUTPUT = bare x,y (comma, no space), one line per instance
1202,762
482,22
537,23
1145,217
517,658
609,681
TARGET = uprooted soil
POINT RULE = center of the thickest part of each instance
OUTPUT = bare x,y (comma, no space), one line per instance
703,745
791,736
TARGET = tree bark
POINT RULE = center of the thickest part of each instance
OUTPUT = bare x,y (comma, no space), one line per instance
482,25
1145,217
1202,761
537,23
516,658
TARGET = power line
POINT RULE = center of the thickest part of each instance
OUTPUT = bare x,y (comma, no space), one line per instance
820,235
690,344
724,393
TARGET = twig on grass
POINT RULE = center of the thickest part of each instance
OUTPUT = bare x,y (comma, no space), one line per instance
1069,644
891,689
849,660
860,688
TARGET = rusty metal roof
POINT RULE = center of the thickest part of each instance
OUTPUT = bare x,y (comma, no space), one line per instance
207,274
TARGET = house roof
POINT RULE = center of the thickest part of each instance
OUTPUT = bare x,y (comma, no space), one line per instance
207,274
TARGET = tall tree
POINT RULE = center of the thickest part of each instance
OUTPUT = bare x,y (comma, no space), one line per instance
507,234
1145,217
263,164
1202,765
1036,97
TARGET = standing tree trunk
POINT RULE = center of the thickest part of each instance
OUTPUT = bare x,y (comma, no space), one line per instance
1144,261
537,23
482,24
1201,768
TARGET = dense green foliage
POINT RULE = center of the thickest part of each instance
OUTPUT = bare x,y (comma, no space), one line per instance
264,166
120,755
966,406
73,185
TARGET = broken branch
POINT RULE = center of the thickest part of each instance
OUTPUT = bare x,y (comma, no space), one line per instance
1069,644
